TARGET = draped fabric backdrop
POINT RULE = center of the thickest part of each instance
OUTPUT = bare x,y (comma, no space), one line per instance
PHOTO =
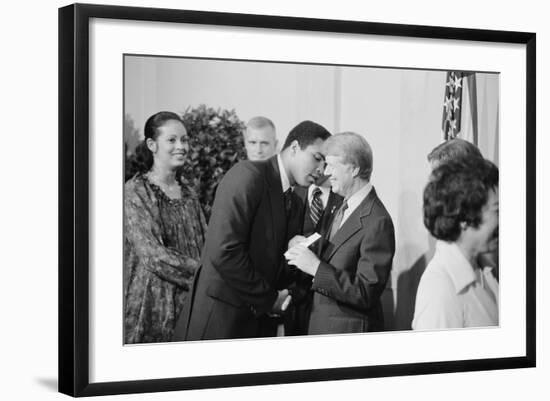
398,111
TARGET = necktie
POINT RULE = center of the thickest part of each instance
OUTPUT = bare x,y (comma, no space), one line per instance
288,201
316,208
338,220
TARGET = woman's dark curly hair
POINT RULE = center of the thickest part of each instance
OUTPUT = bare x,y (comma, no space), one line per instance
456,193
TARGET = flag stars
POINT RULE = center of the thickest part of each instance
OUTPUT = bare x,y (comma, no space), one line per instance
448,103
457,82
456,105
452,124
452,104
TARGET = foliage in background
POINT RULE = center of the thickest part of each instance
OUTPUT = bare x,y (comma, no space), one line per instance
131,139
215,145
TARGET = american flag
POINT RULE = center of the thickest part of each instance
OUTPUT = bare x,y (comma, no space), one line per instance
460,117
452,104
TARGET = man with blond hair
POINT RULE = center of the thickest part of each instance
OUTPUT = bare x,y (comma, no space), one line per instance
260,138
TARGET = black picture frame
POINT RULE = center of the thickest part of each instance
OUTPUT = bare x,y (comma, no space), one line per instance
74,197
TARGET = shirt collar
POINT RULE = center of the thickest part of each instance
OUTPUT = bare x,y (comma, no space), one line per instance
457,266
285,182
355,199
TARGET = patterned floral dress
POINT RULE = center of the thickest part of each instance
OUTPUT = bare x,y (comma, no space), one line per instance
163,241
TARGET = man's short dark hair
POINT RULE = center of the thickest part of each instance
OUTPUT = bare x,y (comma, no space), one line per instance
306,133
453,149
456,193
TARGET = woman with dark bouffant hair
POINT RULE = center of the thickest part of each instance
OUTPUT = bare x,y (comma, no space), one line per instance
164,232
461,212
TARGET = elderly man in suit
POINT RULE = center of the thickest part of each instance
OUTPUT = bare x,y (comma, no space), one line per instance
242,278
319,204
355,256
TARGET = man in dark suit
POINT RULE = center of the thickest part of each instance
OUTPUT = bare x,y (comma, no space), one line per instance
319,203
242,278
356,254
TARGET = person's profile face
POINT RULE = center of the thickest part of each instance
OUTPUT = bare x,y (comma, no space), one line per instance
171,146
308,162
485,236
322,180
340,174
260,143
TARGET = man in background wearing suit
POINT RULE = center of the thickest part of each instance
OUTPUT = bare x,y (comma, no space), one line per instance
260,138
356,255
242,278
319,203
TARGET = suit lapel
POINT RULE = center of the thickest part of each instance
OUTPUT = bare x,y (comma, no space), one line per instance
275,190
354,223
301,204
333,203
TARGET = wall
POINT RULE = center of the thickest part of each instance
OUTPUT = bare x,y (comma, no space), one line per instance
282,92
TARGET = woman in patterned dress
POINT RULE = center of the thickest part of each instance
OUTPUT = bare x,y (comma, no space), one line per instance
164,230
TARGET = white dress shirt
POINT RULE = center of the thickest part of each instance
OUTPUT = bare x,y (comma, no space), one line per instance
453,294
282,172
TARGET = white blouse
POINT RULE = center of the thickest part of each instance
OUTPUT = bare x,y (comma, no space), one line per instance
453,294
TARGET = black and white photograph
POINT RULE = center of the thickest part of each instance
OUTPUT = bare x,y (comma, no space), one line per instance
288,200
251,200
279,199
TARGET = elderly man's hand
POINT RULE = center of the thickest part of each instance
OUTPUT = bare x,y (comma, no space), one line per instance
303,259
296,240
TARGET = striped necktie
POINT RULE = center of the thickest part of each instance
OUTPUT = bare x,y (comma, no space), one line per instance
316,208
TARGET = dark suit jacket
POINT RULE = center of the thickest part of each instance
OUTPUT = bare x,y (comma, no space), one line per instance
297,317
354,269
242,263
